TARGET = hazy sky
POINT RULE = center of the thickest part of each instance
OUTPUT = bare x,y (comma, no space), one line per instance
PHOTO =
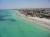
9,4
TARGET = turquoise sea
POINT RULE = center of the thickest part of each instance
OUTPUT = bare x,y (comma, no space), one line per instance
12,25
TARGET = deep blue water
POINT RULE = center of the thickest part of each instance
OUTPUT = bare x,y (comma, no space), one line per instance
6,15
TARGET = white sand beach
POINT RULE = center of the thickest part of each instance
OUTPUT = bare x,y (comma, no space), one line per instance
42,21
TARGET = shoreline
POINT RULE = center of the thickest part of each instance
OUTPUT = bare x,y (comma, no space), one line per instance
42,21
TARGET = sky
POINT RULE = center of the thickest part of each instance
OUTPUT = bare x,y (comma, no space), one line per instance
14,4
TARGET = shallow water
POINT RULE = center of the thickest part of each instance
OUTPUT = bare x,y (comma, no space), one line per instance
12,25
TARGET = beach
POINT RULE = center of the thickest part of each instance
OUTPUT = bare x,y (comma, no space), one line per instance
42,21
14,24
